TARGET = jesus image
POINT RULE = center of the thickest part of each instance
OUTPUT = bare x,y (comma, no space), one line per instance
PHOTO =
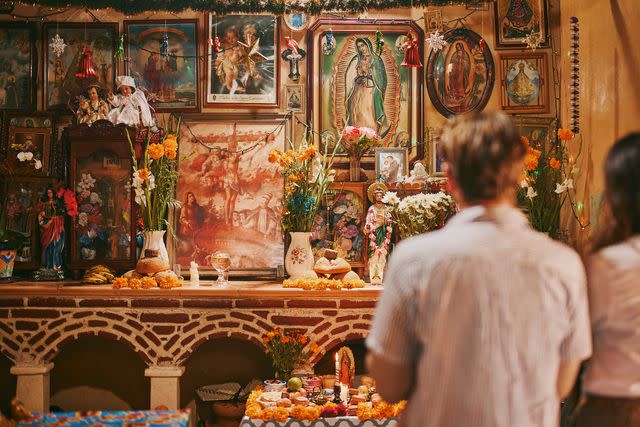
231,182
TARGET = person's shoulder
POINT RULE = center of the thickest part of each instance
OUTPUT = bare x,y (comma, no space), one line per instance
555,256
421,246
619,255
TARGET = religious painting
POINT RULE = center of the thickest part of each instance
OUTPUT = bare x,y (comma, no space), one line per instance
29,146
87,59
296,21
17,66
517,19
537,130
524,83
245,72
391,164
171,81
19,210
359,81
345,366
460,77
230,193
339,222
294,98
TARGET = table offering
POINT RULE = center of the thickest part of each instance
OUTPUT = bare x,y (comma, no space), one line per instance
152,271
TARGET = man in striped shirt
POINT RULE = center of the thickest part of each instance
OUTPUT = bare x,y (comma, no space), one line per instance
485,322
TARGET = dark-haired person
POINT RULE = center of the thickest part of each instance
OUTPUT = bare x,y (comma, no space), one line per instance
612,379
485,322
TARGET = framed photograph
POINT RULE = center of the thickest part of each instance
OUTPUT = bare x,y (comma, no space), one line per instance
391,164
246,72
19,210
17,66
62,84
538,130
171,82
356,82
516,19
460,77
294,98
524,83
230,193
340,220
433,20
435,157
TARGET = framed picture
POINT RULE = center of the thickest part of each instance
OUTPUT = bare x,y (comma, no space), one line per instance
340,220
391,164
294,98
433,20
355,83
17,66
246,72
62,85
296,21
19,210
171,82
435,157
230,193
460,77
516,19
538,130
30,133
524,83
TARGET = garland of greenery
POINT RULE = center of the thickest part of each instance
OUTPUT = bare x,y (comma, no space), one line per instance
221,7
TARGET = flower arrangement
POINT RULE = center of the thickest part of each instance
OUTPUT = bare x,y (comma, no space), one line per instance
165,282
323,284
547,181
421,212
307,175
27,156
154,178
358,140
287,349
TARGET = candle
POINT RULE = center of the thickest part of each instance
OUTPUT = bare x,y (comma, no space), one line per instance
337,369
344,392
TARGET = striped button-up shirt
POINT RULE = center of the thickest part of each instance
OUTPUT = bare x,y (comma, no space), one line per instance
484,311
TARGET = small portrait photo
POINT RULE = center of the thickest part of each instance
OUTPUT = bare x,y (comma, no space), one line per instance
294,98
391,164
433,20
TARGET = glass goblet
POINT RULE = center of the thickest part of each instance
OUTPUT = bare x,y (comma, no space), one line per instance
221,261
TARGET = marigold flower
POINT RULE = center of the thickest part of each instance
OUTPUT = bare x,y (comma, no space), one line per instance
524,140
274,155
554,163
565,134
170,154
531,159
155,151
143,174
265,340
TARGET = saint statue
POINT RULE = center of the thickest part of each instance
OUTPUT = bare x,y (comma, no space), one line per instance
521,87
51,220
366,81
378,228
93,107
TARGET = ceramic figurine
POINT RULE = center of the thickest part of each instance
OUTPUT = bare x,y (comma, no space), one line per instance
378,228
93,107
418,175
130,105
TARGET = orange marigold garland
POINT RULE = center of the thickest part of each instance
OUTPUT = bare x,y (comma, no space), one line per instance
323,284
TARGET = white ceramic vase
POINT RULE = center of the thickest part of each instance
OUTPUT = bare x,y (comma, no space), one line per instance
299,258
154,240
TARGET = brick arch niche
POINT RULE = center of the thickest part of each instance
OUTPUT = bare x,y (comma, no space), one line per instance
326,365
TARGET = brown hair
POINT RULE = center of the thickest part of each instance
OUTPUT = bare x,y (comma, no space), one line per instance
621,213
484,154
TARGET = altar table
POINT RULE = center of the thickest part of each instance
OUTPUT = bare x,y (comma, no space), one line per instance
321,422
110,418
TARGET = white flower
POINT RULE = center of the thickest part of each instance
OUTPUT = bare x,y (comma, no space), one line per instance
83,219
524,183
37,164
95,198
391,198
531,193
91,234
28,155
567,184
25,156
140,198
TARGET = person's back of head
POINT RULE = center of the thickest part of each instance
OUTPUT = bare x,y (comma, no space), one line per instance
483,157
621,218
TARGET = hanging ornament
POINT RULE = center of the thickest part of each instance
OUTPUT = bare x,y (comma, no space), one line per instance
164,46
533,40
379,43
575,74
57,45
436,41
411,52
293,53
85,65
120,49
328,43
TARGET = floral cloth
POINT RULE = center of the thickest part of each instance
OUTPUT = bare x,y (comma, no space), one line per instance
322,422
110,418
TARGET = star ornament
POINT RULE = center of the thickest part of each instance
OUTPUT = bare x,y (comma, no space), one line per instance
436,41
533,40
57,45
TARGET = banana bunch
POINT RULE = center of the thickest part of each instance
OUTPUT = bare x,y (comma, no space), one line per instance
98,275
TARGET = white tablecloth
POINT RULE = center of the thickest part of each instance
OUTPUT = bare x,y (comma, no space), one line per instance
322,422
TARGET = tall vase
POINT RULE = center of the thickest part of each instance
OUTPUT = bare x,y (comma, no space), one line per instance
299,258
154,240
7,259
354,169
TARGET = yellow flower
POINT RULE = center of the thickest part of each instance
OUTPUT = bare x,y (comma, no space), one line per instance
554,163
274,155
143,174
170,154
565,134
155,151
171,142
531,159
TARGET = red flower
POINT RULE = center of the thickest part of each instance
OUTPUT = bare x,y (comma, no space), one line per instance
70,202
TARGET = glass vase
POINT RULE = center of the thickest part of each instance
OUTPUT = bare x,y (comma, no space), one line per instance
354,169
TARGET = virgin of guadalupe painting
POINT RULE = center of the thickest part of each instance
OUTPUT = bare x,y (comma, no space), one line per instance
524,83
360,82
460,77
516,19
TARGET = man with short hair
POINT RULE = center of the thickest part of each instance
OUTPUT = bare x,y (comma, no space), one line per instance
483,323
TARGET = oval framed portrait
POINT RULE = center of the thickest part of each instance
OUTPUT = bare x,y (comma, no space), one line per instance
296,21
460,77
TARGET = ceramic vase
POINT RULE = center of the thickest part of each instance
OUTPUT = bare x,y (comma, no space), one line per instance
7,260
154,240
299,258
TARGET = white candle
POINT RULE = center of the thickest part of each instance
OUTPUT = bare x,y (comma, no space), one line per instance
337,369
344,392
